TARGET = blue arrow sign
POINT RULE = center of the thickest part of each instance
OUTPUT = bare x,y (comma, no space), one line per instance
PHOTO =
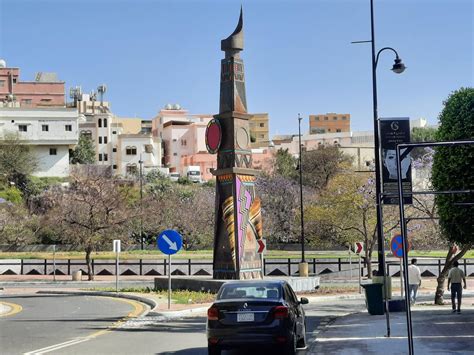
169,242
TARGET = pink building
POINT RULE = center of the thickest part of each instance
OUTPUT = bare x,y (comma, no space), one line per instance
184,142
45,91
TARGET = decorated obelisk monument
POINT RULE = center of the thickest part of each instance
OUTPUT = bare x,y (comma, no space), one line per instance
238,223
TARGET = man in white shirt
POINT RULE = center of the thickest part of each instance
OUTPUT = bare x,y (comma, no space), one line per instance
414,280
455,276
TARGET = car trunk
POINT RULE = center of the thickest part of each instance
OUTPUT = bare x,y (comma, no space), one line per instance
245,311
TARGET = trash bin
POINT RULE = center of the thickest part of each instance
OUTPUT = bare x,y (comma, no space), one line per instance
373,298
397,305
379,280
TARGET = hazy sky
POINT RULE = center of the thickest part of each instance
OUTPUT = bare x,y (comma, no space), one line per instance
298,57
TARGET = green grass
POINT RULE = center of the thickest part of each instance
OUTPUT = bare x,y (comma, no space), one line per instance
178,296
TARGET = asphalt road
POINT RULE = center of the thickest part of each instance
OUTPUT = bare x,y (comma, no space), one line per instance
47,320
76,326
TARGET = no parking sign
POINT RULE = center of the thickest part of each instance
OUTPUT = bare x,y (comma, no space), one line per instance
396,245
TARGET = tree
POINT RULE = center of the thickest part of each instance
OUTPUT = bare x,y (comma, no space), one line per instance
321,164
16,159
17,225
280,203
453,169
345,212
419,134
84,152
91,213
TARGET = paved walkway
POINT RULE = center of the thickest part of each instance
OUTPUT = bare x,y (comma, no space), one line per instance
435,329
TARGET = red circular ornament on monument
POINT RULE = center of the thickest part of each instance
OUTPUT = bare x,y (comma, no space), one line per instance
213,136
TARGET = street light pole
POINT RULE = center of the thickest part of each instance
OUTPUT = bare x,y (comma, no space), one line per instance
397,68
141,201
303,266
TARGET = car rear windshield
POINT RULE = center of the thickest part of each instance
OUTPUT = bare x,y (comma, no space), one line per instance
247,291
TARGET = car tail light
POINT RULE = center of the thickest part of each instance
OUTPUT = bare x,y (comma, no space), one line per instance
281,339
213,313
213,341
280,312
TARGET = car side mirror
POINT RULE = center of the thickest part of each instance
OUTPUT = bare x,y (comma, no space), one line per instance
304,300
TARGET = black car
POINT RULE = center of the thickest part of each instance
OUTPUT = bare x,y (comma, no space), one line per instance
256,313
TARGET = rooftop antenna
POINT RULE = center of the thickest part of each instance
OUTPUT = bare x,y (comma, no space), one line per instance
102,89
93,98
75,93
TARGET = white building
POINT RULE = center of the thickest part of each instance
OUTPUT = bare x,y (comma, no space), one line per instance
49,132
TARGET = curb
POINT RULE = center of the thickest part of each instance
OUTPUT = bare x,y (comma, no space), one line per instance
149,302
177,314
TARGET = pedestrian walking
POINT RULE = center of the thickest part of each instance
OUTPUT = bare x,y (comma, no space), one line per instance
455,276
414,280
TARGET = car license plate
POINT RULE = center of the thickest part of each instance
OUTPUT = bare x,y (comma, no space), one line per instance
245,317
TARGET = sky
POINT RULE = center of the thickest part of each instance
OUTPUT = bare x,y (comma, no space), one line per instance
298,54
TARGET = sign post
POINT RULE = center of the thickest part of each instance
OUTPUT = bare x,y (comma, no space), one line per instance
117,252
54,262
169,242
359,249
261,248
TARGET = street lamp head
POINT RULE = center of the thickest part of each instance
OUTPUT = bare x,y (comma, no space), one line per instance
398,66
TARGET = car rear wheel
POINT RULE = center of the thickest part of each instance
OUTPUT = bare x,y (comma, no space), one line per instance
213,350
302,341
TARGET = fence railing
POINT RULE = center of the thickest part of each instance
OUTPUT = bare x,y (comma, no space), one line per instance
271,266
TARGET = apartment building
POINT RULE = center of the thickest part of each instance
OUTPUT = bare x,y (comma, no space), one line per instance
329,123
120,142
49,132
184,143
44,91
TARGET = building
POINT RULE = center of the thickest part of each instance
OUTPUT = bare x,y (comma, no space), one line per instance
329,123
121,143
258,126
45,91
184,142
49,132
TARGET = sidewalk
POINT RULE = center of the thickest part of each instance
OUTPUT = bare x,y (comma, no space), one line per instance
435,330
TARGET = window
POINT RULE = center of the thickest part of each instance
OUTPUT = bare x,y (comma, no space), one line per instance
106,157
87,134
329,129
183,142
68,128
131,169
344,118
22,127
105,122
326,118
26,102
262,124
2,83
100,139
175,154
338,130
335,118
105,140
262,136
53,151
114,167
100,157
148,148
45,100
316,118
14,80
99,122
131,150
114,150
114,132
45,128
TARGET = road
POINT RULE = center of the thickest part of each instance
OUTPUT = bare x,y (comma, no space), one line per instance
76,325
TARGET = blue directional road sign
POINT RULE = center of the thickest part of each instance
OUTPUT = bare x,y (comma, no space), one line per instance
169,242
